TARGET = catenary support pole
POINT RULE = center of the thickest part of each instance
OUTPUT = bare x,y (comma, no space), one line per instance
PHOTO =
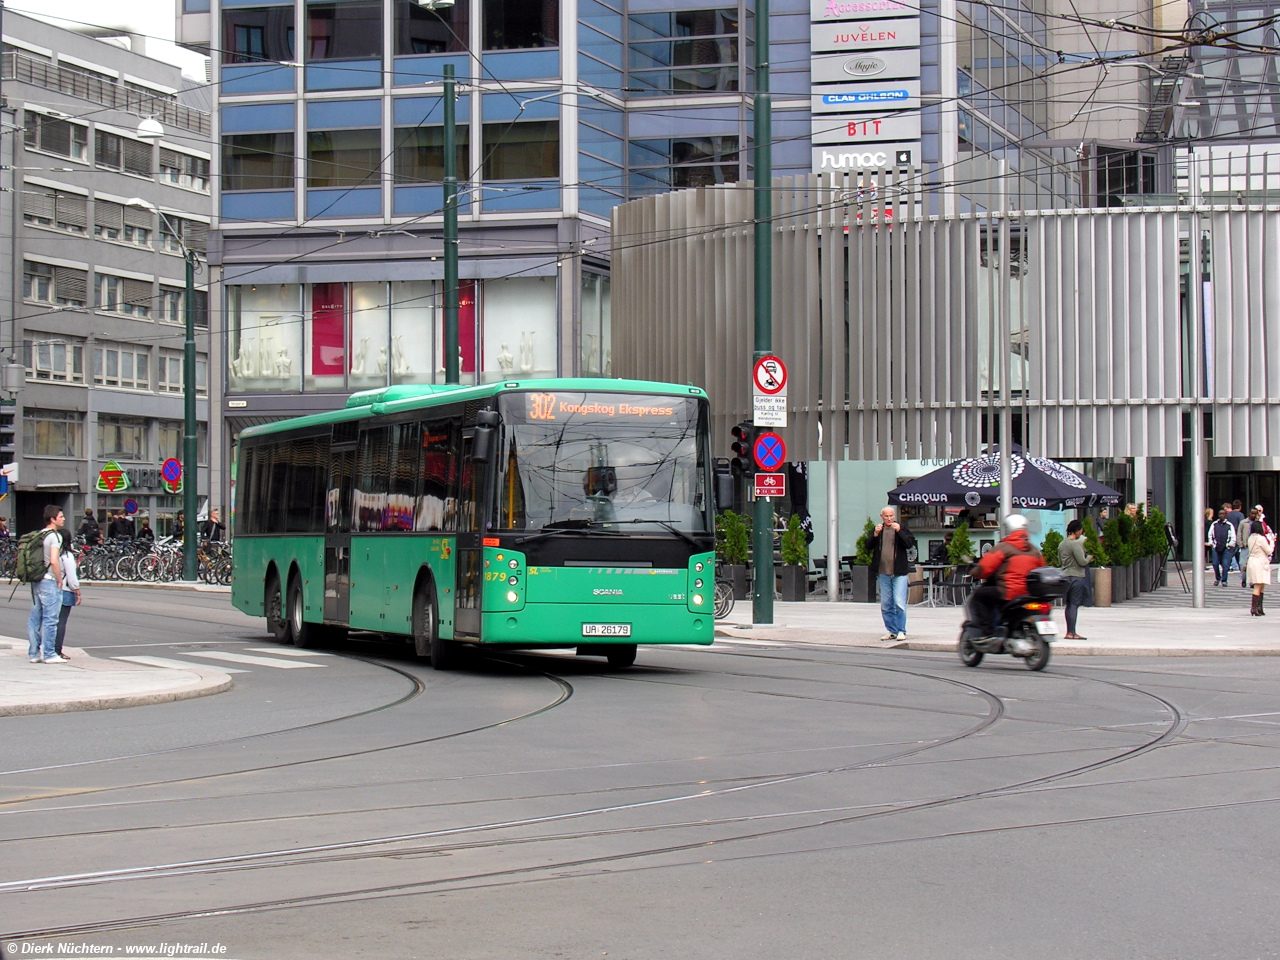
190,456
762,526
833,526
451,372
1196,530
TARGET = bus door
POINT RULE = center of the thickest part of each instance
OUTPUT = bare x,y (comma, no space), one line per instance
337,533
470,575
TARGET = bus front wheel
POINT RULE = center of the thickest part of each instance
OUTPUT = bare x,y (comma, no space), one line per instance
274,605
426,630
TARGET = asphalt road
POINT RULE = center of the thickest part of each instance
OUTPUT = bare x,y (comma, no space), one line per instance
748,801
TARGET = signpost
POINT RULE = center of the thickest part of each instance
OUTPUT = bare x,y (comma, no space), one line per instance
171,475
131,507
769,392
769,451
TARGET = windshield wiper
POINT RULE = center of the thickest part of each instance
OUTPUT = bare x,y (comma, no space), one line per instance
662,523
587,527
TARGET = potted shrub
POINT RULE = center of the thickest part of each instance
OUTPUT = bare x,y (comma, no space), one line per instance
864,584
1114,546
960,551
733,550
795,561
1100,568
1052,540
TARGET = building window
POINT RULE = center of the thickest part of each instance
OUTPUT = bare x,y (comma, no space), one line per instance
46,207
662,165
343,158
176,232
122,438
184,170
55,358
121,365
419,155
124,295
52,433
113,152
521,24
257,34
65,286
51,135
169,373
171,440
171,305
344,31
420,30
522,151
115,221
691,51
257,161
37,281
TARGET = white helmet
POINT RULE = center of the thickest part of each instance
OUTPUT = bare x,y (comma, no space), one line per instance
1014,521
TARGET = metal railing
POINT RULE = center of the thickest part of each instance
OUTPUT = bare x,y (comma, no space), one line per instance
96,88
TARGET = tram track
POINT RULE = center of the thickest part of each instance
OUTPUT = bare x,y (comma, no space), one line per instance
369,847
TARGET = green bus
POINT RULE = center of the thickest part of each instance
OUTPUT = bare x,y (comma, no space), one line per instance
572,513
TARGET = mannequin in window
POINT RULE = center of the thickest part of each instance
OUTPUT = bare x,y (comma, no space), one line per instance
526,352
357,361
506,362
284,365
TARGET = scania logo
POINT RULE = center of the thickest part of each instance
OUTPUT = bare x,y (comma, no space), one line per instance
865,66
606,593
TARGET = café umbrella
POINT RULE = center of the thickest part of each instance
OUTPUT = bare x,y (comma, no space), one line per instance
1038,484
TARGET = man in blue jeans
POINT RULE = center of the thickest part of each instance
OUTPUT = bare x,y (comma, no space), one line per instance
46,595
889,561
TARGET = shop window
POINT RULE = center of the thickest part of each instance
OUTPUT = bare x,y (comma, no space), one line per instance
343,158
325,354
257,34
344,31
52,433
264,337
414,309
371,351
522,151
257,161
521,24
518,328
597,326
422,30
419,155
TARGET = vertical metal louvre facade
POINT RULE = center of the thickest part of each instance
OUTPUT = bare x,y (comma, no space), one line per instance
892,322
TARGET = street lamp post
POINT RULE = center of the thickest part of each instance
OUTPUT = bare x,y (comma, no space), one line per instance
190,455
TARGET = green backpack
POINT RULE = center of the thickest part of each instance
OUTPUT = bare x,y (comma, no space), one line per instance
31,566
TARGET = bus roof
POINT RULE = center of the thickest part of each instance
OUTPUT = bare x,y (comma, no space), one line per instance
404,397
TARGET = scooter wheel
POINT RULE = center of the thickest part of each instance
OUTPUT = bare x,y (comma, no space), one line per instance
970,655
1038,659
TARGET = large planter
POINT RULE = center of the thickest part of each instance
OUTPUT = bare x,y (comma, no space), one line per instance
1102,587
737,575
793,583
1121,584
1150,573
863,587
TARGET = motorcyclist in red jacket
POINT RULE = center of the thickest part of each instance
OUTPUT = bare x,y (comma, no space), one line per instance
1004,572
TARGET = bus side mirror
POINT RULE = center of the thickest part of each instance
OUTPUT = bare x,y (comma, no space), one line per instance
482,447
724,490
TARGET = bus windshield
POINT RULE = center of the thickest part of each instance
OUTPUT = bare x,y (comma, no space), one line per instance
624,461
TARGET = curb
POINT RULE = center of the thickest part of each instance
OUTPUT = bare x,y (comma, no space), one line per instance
1070,650
211,682
193,587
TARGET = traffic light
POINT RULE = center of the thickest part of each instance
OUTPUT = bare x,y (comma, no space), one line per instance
741,463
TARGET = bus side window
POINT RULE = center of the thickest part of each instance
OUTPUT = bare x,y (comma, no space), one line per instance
372,476
437,453
402,490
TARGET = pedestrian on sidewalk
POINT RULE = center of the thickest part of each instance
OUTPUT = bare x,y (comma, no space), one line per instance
89,529
1259,567
4,529
1073,560
1222,544
889,561
1243,530
46,593
1236,516
70,589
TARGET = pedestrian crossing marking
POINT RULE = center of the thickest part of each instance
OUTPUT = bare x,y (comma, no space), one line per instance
255,661
171,664
278,651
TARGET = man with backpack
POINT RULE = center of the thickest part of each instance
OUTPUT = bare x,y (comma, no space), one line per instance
39,564
89,529
1222,541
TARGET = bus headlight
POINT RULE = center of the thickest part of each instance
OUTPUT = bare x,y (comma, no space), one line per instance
698,567
697,584
512,596
512,580
697,599
513,564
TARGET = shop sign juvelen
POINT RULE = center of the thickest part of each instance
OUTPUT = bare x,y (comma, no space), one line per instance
857,37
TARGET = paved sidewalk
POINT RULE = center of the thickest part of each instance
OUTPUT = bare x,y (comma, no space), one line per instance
89,683
1161,624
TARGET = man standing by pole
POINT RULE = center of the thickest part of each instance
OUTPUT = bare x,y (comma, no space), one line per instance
889,561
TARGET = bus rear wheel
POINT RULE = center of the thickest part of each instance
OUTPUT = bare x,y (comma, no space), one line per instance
621,655
274,608
304,634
